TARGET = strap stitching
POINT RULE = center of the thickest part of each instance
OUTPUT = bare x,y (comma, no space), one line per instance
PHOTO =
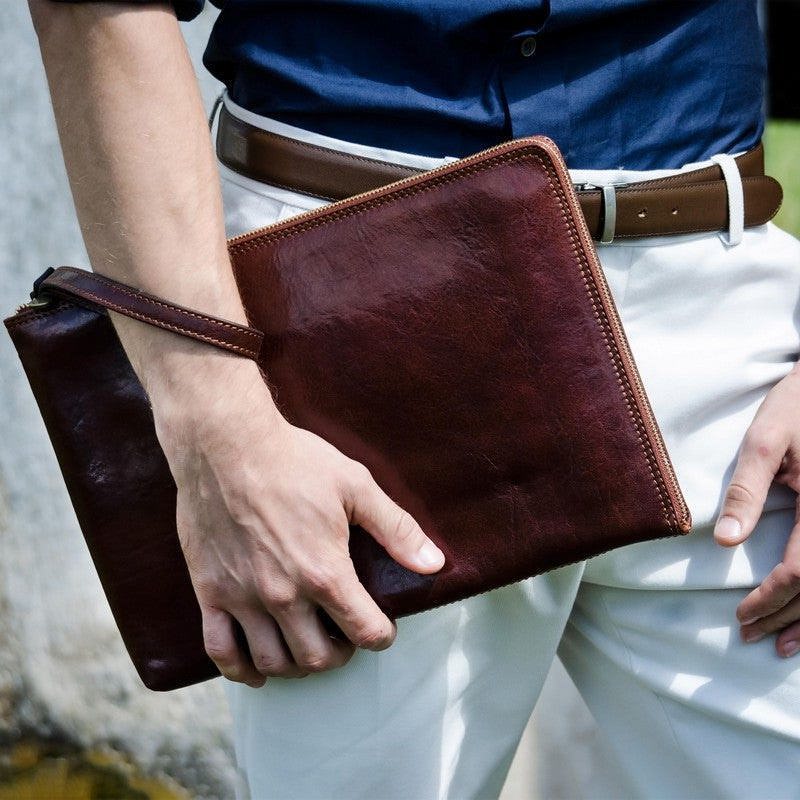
602,319
249,332
253,354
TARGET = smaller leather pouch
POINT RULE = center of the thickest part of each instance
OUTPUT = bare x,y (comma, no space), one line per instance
453,331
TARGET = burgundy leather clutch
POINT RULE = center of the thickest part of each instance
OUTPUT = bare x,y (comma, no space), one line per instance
453,331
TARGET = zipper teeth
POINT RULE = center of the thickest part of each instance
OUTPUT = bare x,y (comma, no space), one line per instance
642,404
346,201
33,303
635,382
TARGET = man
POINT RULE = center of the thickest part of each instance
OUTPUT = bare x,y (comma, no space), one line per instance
629,91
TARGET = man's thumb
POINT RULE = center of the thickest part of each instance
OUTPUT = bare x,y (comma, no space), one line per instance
395,529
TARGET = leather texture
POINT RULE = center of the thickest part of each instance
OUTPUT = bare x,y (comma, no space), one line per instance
453,332
99,422
691,202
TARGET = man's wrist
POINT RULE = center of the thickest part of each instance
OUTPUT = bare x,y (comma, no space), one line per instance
208,393
189,383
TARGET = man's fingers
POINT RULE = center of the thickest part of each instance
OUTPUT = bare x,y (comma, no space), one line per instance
312,648
394,528
778,589
788,643
268,651
223,649
759,460
786,616
350,606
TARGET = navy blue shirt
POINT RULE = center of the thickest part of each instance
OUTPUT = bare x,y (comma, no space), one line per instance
638,84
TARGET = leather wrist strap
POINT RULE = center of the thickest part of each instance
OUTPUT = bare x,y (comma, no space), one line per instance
97,290
689,202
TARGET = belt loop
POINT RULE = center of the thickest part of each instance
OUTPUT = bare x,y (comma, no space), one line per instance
733,185
609,213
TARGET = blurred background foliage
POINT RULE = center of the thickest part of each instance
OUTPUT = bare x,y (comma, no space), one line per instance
782,152
781,21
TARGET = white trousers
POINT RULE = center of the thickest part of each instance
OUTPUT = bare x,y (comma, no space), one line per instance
648,632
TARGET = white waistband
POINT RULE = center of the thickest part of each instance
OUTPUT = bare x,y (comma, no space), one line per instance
594,176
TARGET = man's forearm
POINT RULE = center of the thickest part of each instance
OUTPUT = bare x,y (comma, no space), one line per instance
140,163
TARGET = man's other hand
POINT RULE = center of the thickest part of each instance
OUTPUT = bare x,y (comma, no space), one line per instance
770,452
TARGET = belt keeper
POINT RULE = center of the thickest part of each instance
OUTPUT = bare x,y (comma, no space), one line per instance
735,193
609,213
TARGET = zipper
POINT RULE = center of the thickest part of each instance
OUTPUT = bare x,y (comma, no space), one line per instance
634,380
651,426
662,457
36,302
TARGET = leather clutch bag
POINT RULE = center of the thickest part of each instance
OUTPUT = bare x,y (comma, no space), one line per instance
453,331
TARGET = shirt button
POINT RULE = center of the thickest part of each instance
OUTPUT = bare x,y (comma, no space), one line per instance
528,46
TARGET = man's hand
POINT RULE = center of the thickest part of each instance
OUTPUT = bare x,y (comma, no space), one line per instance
263,513
770,452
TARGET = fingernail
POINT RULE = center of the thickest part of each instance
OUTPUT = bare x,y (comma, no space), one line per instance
429,555
790,649
753,636
749,620
728,528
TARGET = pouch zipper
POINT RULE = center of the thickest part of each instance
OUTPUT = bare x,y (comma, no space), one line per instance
634,380
36,302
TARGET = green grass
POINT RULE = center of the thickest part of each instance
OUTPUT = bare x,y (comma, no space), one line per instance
782,152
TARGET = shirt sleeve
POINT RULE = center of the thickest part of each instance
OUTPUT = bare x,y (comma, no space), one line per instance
185,10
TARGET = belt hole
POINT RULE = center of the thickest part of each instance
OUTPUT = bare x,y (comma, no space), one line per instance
642,214
674,212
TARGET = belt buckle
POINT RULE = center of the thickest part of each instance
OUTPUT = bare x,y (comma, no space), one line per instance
608,208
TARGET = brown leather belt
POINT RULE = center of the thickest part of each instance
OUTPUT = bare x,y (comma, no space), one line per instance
689,202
